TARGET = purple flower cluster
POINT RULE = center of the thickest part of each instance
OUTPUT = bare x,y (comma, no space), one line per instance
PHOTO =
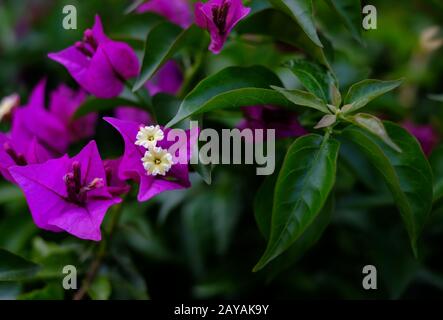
73,194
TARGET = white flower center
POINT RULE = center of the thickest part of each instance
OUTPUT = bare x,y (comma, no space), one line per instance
149,136
157,161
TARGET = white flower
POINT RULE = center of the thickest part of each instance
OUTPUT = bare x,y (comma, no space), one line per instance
149,136
157,161
7,104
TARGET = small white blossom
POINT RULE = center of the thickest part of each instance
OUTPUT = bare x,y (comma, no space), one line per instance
149,136
157,161
7,104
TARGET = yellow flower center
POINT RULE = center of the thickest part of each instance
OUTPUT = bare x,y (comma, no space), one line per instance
157,161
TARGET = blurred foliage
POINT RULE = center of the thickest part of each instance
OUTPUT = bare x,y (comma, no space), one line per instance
204,241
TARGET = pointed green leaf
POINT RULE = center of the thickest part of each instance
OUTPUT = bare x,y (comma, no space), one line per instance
376,127
232,87
327,121
263,203
315,78
363,92
306,241
335,95
407,174
350,12
303,185
162,42
301,12
303,98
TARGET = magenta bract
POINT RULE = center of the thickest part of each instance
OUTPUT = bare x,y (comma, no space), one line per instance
219,17
68,194
99,64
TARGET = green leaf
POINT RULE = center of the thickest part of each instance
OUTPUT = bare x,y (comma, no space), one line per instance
52,291
301,12
356,161
280,27
303,185
100,288
315,78
303,98
162,42
232,87
166,106
15,268
263,203
407,174
306,241
376,127
349,12
326,121
436,162
436,97
204,171
98,105
363,92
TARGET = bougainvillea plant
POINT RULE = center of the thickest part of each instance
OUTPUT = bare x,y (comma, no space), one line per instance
91,161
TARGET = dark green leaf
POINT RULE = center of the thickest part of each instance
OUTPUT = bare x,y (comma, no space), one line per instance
303,185
15,268
303,98
162,42
349,12
363,92
315,78
263,214
166,106
280,27
407,173
357,162
232,87
306,241
436,162
301,12
263,202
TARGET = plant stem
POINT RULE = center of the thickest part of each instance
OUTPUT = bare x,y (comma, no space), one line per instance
101,254
192,73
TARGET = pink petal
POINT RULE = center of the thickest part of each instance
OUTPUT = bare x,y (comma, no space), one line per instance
100,78
122,58
97,30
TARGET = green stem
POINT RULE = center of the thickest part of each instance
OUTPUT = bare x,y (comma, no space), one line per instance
142,101
192,73
101,254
